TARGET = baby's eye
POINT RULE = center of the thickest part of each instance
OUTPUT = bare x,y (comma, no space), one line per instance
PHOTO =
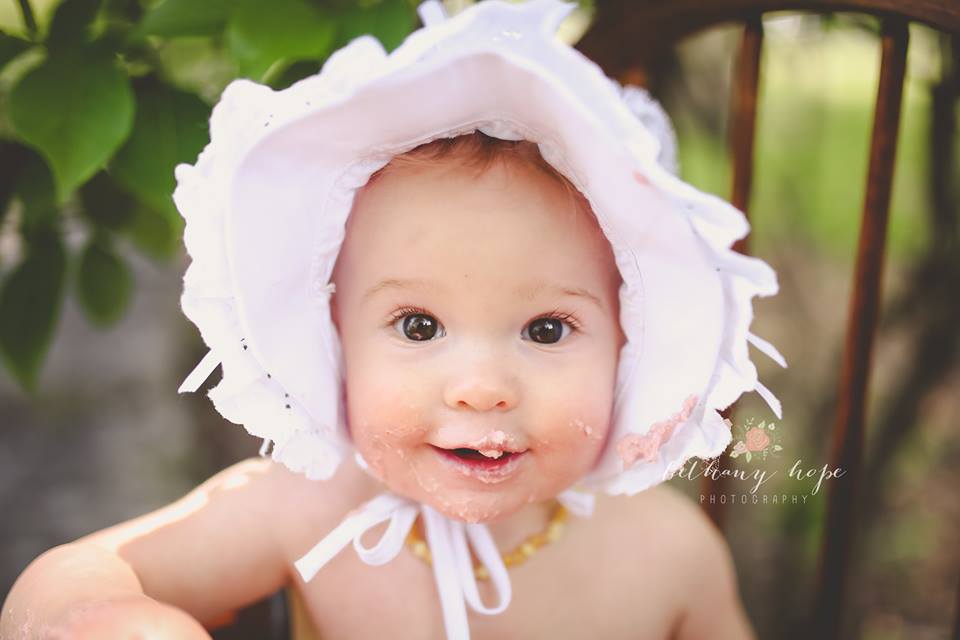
417,325
550,329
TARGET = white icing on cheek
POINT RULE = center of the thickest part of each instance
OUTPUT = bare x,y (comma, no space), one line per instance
586,430
380,445
429,484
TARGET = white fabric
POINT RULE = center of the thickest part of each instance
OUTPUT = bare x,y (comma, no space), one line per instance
266,206
200,373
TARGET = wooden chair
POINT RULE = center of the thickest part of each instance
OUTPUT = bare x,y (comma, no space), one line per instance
626,37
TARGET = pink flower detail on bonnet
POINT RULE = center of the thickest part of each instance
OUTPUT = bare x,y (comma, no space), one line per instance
634,447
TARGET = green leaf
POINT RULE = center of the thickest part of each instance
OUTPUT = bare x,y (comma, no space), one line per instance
35,190
777,447
173,18
71,22
76,108
30,301
12,159
170,128
104,283
106,204
748,456
293,73
390,21
155,233
288,31
10,48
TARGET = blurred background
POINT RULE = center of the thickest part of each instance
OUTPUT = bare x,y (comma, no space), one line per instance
100,99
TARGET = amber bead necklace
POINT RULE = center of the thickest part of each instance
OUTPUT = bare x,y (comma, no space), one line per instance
512,558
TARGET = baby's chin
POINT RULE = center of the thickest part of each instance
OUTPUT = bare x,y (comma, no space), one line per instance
477,507
422,475
483,503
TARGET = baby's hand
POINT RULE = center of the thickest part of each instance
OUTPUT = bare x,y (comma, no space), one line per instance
130,616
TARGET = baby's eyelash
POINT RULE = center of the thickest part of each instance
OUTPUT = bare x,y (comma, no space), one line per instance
565,316
406,311
556,314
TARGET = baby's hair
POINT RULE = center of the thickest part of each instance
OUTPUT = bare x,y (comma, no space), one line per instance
478,152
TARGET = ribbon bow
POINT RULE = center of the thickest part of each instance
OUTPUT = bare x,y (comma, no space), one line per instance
448,542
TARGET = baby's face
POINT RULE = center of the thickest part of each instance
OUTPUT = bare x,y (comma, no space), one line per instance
480,314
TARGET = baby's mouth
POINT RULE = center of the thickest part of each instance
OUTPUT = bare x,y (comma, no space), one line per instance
475,454
491,465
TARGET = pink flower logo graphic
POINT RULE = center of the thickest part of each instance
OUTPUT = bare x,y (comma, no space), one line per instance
755,440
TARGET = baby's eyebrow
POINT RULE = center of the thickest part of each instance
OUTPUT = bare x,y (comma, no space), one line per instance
394,283
525,291
532,291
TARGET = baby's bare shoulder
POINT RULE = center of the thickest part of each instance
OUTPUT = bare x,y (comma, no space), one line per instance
666,534
661,516
307,509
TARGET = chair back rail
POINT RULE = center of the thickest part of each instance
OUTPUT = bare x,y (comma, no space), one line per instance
628,33
847,449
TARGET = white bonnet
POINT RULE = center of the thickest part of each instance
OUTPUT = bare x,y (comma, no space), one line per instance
267,200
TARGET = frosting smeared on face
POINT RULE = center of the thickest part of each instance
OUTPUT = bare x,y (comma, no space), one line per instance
635,447
478,319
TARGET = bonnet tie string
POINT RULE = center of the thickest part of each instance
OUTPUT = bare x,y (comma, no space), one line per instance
449,541
445,575
386,506
452,568
579,503
200,373
486,550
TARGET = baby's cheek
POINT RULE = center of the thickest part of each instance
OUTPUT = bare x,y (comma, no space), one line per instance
570,443
384,422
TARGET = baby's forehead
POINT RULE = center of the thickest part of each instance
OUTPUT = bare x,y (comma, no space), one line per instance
452,196
495,228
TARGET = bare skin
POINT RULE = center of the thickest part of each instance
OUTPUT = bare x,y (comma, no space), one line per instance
650,566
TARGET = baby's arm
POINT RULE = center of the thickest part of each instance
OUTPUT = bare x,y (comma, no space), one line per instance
200,558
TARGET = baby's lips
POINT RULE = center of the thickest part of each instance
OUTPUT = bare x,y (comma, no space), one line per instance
492,445
494,453
487,450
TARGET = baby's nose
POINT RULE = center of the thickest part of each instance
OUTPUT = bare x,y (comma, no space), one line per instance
481,391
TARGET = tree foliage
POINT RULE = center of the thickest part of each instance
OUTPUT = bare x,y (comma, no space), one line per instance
99,105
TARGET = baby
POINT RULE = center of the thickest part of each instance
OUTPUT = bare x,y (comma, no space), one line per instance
477,304
483,311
